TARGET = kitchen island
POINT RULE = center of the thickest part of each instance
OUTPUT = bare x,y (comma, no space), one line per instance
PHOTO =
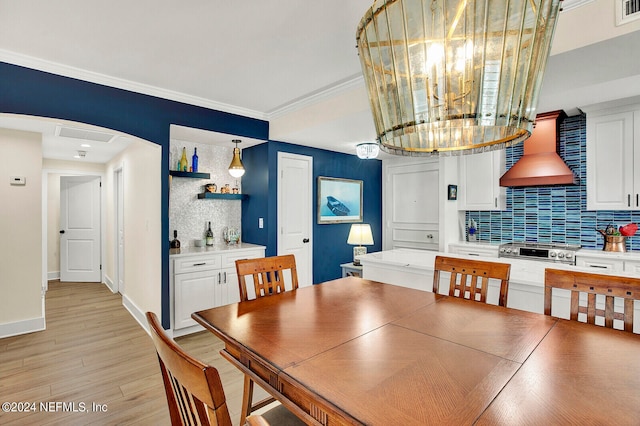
414,269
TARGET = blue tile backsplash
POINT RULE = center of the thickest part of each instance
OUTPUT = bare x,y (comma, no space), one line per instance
553,214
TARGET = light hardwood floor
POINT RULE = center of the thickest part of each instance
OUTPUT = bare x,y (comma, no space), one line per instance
93,351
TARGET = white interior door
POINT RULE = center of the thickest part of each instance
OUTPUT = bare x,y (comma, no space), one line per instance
295,212
119,188
80,229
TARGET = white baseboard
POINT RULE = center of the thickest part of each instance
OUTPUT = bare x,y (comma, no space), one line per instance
135,312
109,282
22,327
53,275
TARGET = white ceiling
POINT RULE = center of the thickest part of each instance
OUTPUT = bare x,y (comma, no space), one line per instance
291,62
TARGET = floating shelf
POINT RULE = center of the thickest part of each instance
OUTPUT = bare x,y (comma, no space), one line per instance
216,196
193,175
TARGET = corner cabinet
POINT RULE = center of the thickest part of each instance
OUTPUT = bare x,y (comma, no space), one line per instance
479,177
202,279
613,158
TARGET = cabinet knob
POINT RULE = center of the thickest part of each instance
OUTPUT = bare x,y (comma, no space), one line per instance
305,240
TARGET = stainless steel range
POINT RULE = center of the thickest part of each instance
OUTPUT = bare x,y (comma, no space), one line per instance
557,253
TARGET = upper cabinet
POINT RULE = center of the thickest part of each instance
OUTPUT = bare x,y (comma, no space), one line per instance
613,158
479,178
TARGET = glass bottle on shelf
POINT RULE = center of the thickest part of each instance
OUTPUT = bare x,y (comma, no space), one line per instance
175,243
184,166
209,236
194,160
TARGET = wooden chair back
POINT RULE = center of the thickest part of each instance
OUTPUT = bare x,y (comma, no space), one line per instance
470,278
268,275
194,390
592,285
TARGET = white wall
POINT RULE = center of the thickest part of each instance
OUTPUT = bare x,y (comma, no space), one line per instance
21,300
140,163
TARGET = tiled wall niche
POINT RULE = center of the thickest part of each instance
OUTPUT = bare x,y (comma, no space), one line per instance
553,214
190,215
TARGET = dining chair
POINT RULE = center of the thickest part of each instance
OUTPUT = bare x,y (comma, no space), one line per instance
592,285
269,275
470,277
194,391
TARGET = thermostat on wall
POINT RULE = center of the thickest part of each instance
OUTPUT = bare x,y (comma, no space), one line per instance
18,180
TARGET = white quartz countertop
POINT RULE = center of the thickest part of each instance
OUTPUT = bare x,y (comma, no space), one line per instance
523,271
625,255
215,249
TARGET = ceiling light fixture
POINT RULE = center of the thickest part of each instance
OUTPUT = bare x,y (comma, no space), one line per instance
454,76
367,150
236,168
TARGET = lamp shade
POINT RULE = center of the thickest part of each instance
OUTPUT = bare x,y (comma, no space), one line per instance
236,168
360,234
454,76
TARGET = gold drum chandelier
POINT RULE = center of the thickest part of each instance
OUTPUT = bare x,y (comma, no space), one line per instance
454,76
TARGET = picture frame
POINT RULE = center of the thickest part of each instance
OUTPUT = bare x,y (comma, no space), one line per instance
339,200
452,192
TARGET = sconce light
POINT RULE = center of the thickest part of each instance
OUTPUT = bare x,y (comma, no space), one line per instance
367,150
359,235
236,168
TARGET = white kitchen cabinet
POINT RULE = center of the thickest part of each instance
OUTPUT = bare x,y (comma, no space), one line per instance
475,249
632,267
204,280
479,187
613,155
600,263
411,208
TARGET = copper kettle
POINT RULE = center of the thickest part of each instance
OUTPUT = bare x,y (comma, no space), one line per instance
613,242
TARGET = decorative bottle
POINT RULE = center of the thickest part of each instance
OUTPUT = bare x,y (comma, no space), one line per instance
184,166
175,243
194,160
209,236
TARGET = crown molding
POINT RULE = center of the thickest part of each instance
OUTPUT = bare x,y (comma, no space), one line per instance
572,4
316,97
93,77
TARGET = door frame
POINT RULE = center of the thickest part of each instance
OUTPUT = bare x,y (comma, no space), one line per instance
310,219
45,195
118,217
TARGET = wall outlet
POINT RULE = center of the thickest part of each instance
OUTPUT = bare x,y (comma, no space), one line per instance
260,223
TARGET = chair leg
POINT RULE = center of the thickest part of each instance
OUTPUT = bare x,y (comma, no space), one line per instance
247,399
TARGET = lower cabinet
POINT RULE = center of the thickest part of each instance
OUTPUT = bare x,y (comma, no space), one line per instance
204,281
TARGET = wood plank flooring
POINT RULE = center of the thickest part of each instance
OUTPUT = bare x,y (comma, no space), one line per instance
93,351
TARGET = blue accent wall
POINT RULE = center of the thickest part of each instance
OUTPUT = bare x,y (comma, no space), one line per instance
554,214
330,248
30,92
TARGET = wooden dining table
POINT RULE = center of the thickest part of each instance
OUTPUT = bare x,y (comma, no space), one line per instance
355,351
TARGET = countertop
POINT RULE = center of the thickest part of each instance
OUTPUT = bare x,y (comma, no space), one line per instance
525,271
219,248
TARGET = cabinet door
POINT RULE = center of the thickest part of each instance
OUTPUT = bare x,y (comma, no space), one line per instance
194,291
227,290
479,187
610,152
632,266
411,205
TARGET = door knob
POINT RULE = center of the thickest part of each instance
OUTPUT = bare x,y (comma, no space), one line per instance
305,240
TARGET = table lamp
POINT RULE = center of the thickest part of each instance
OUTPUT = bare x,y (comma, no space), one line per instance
359,235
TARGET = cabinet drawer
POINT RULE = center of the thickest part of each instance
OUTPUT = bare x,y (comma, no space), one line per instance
610,265
229,259
196,263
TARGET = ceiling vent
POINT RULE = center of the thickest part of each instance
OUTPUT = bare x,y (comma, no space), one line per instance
627,11
84,134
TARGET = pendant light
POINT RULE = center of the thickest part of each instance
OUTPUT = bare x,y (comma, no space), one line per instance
236,168
454,76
